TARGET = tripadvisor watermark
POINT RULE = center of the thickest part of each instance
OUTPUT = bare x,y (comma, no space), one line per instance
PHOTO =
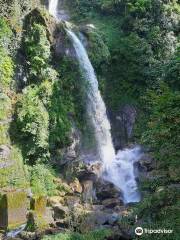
140,231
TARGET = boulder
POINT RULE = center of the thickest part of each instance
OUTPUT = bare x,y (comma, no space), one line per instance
38,204
72,201
94,220
106,190
55,200
63,187
5,151
112,202
40,222
13,209
76,186
60,211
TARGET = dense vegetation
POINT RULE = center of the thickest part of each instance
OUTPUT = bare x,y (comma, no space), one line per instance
134,48
143,70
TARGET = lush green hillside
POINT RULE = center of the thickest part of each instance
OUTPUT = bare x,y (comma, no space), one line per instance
134,48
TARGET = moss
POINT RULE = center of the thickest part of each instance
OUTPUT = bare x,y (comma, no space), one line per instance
12,174
4,136
38,204
6,69
15,199
36,222
13,206
5,107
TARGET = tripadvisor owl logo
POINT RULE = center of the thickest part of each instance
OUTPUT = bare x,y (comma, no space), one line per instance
139,231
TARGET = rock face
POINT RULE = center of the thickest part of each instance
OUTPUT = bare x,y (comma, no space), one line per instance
122,125
66,155
13,209
88,191
106,190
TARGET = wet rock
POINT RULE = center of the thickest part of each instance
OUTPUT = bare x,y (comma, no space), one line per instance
106,190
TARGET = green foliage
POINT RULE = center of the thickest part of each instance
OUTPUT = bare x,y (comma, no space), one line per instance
59,107
6,63
5,33
32,123
37,48
95,235
6,69
42,180
172,71
97,49
163,131
126,80
160,209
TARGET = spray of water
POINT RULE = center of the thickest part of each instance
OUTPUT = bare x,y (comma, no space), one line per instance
118,169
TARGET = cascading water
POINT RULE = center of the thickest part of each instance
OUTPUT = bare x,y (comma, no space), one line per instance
118,169
53,5
96,109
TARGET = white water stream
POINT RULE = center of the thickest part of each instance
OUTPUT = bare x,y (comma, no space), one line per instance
117,168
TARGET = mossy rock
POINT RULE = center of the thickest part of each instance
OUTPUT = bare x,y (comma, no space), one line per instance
13,208
38,205
36,222
12,172
5,108
41,16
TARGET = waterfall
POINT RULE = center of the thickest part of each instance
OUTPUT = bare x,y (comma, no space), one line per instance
53,5
96,109
121,173
116,168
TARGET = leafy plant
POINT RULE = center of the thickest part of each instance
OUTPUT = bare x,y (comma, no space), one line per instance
42,180
33,123
37,48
